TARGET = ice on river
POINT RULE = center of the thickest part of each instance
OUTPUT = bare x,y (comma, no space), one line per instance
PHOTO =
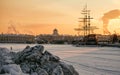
86,60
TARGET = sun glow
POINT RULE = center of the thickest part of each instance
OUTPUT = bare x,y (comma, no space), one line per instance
42,16
114,26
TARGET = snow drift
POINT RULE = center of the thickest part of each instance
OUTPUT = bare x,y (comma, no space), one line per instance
33,61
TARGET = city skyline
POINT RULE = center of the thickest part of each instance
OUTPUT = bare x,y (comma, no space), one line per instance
42,16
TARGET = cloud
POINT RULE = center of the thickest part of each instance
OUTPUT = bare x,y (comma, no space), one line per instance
113,14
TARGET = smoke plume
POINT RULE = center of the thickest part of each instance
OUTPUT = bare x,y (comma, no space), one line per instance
108,16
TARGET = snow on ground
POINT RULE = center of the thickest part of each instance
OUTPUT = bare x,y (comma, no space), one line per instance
86,60
104,61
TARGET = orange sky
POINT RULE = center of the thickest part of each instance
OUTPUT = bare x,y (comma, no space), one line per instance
42,16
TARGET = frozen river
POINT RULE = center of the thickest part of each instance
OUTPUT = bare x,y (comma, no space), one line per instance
86,60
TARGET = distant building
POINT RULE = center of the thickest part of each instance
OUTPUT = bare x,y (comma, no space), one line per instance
54,38
55,32
16,38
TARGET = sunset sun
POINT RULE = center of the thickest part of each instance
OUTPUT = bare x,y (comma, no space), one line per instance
42,16
114,26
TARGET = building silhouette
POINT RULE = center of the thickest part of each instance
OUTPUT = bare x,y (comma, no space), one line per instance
16,38
55,32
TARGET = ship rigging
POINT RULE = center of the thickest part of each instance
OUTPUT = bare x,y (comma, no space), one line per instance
86,23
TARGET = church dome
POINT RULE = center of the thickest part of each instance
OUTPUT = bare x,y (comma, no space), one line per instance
55,32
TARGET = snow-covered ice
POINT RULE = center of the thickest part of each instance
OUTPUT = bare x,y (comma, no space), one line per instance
86,60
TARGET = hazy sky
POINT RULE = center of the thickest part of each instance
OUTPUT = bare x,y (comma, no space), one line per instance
42,16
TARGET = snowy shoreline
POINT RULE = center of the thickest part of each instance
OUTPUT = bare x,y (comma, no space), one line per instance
86,60
33,61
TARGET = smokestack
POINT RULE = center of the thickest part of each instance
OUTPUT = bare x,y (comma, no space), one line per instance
108,16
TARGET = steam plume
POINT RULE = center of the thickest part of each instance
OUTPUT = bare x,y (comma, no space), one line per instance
108,16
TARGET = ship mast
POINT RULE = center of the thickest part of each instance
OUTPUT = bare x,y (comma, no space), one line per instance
86,20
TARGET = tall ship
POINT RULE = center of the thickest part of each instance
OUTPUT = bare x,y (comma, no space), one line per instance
88,37
85,29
